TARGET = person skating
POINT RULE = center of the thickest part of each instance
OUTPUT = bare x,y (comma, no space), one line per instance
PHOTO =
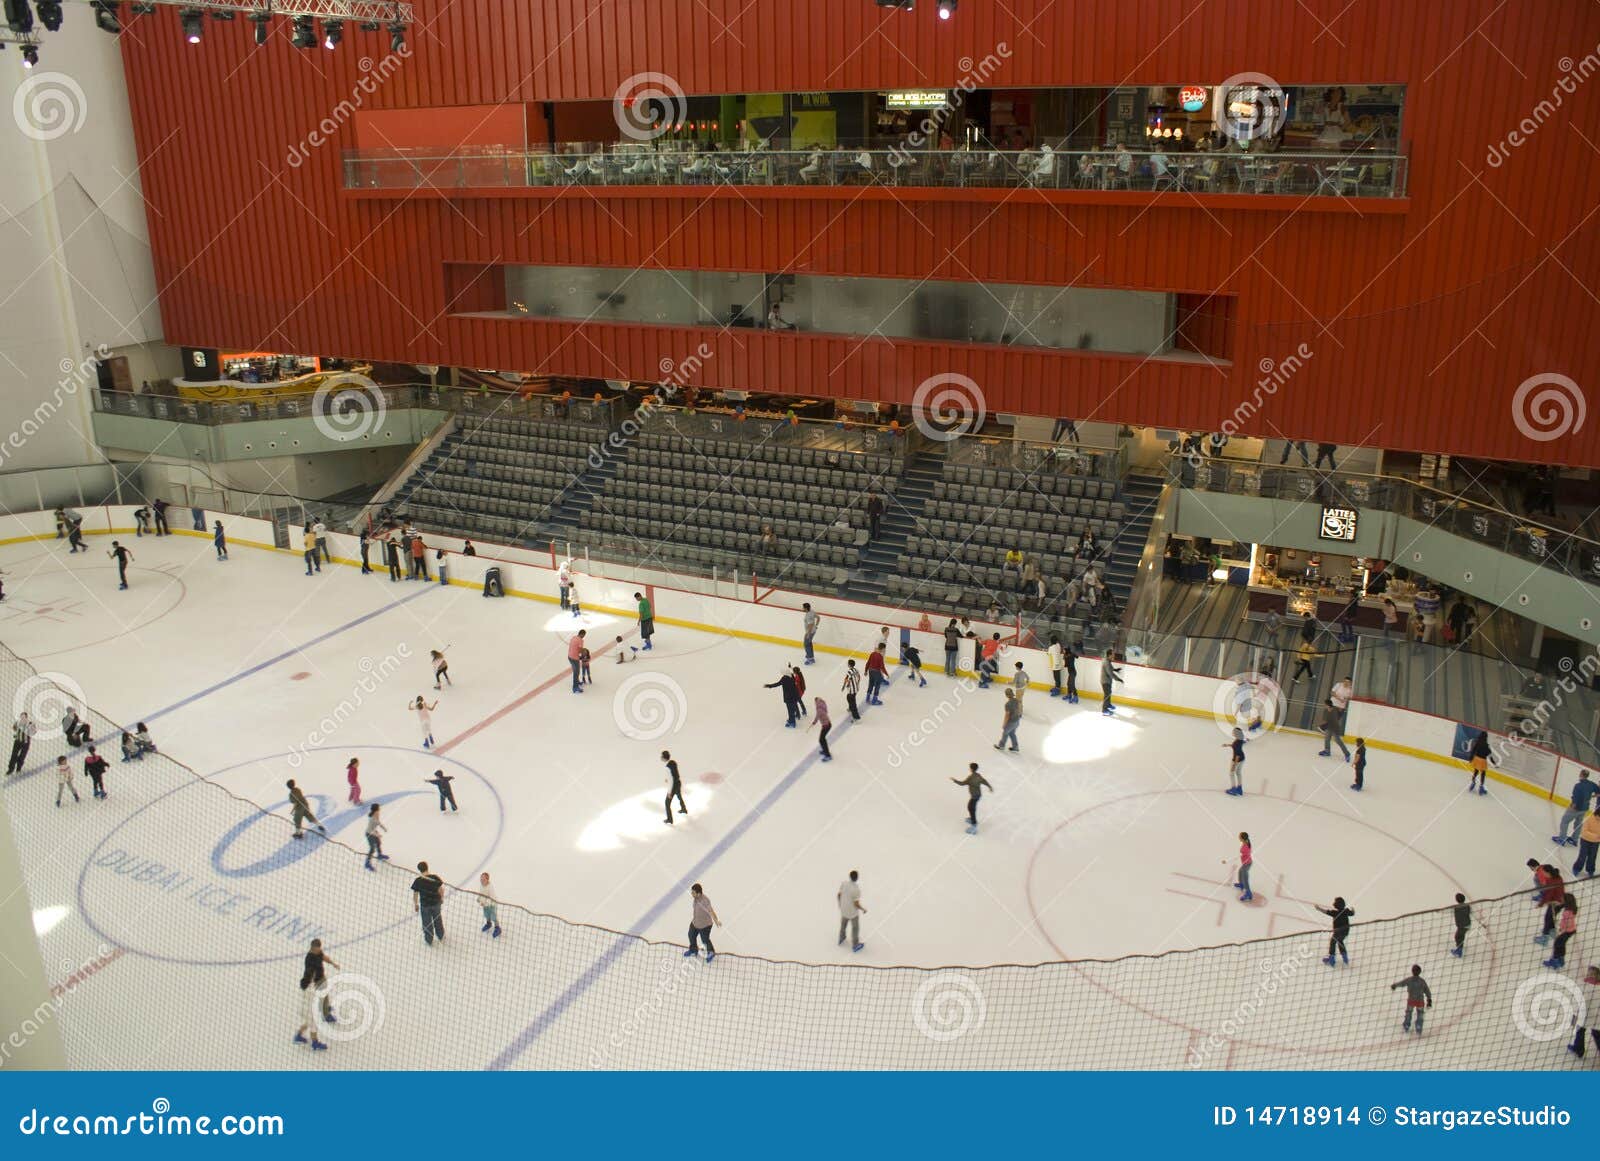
365,541
419,558
352,775
1551,893
375,831
95,767
823,723
141,738
702,918
1478,760
424,712
300,811
808,626
850,911
441,668
852,684
791,698
1341,916
1070,658
122,556
158,508
877,675
490,905
64,779
575,647
988,665
309,997
1592,978
1566,928
572,598
1588,845
800,690
1418,996
1012,717
427,902
1332,721
74,728
141,521
1462,914
952,648
647,622
1577,810
1358,762
447,796
913,658
22,731
622,655
1236,763
674,787
584,658
1057,656
391,555
975,784
1246,861
1109,674
564,583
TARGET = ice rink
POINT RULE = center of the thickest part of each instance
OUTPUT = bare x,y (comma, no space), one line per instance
1104,838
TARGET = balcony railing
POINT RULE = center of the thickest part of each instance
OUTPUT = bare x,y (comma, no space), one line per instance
1328,174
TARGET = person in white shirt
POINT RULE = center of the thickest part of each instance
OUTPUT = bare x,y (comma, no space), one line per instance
321,530
810,624
1333,722
490,905
564,582
776,321
21,739
375,831
64,780
1058,662
851,910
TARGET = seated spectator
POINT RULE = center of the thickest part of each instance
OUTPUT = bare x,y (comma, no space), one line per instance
1088,547
1012,562
769,541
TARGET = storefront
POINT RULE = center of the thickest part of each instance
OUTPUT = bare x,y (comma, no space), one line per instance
1332,588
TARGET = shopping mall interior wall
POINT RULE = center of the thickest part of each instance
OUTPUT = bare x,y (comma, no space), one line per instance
77,273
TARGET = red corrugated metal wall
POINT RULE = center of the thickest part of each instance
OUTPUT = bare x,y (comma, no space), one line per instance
1420,326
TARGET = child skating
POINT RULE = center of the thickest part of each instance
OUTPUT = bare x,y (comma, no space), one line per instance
1246,860
674,787
625,655
300,811
584,676
823,724
1462,914
975,783
64,780
1341,915
352,775
219,540
1566,928
1478,759
1236,763
913,658
490,905
425,719
441,668
95,767
1418,994
441,782
375,831
1358,762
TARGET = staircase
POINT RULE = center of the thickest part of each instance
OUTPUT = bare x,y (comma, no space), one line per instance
563,517
1139,497
880,558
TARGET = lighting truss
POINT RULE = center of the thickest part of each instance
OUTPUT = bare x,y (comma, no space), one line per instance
385,11
31,37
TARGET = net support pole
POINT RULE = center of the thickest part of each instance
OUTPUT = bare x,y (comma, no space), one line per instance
31,1039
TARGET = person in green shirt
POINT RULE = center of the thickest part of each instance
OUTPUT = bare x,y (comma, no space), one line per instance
647,624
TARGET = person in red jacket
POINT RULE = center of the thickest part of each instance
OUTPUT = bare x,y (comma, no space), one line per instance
419,557
877,676
1552,891
800,691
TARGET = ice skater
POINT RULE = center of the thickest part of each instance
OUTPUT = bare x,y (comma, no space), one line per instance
1236,763
800,690
564,583
625,655
1020,681
441,782
1109,674
1358,762
352,775
122,556
702,918
64,779
809,625
988,664
975,783
823,723
572,597
441,667
95,767
300,811
1341,916
1011,719
427,902
141,738
1551,892
490,905
1462,914
877,674
375,832
141,521
852,685
1246,860
674,787
575,647
75,533
1418,994
1478,760
1592,978
219,541
647,619
952,648
584,676
74,728
310,993
391,555
22,731
1571,818
850,911
791,699
1331,725
1588,846
913,657
424,713
309,546
1070,660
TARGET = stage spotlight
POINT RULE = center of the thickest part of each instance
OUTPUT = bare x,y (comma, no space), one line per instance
106,15
19,17
262,19
142,8
30,55
397,37
193,22
304,35
947,9
908,5
49,14
370,26
332,33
